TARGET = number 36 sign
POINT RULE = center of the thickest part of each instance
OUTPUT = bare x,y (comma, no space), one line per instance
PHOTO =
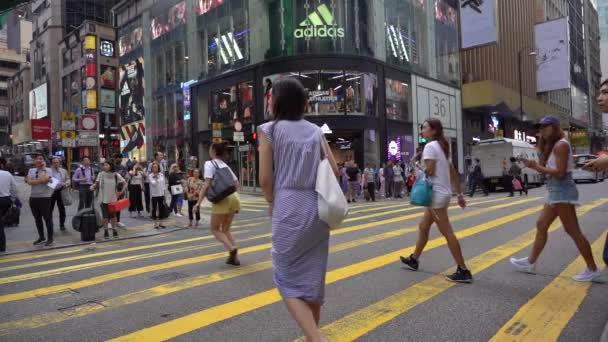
436,105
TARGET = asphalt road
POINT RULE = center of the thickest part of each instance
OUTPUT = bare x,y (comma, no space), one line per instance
177,286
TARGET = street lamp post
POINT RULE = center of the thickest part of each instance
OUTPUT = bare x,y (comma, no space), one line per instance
521,89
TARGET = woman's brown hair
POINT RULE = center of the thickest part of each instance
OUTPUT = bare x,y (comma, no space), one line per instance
546,145
436,126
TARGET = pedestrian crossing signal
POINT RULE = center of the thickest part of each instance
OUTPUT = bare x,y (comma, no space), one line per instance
423,140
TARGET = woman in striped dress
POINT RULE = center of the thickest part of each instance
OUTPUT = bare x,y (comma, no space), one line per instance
290,151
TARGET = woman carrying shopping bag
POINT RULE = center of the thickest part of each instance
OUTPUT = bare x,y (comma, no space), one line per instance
443,178
109,182
177,190
300,239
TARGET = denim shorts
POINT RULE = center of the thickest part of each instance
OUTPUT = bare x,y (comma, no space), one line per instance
562,190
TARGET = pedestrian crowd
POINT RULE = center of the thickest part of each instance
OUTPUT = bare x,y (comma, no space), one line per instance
290,147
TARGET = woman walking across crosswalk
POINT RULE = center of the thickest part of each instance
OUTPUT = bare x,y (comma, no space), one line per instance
290,152
556,162
439,171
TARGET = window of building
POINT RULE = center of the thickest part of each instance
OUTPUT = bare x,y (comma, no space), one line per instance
180,63
160,76
169,63
446,41
398,94
246,108
360,93
224,104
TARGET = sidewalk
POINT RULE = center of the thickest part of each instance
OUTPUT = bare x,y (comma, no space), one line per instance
20,239
604,337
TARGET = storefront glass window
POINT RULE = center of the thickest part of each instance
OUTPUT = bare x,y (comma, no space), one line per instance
225,34
159,125
169,72
224,105
372,148
159,66
397,100
446,40
406,33
360,93
246,102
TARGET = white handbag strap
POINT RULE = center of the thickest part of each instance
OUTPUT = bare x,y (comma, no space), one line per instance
323,142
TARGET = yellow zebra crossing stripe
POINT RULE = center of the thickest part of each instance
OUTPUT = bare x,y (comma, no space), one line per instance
546,315
369,318
197,320
188,261
188,283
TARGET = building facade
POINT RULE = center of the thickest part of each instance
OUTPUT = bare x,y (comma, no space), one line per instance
10,62
89,71
594,75
602,10
492,104
374,70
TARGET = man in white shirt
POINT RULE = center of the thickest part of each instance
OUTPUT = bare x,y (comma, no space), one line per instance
61,175
8,189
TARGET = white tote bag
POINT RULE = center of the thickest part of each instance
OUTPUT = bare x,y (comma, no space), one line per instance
332,204
177,189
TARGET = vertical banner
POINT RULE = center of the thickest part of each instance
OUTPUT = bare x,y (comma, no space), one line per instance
553,55
478,24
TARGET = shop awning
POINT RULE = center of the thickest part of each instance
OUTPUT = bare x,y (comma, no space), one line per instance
489,94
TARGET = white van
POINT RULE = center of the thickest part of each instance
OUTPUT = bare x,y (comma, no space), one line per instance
494,155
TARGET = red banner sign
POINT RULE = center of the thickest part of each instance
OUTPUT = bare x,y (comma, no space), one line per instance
41,129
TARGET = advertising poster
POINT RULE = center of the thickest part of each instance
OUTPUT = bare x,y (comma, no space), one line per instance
478,23
38,104
168,21
87,123
107,99
108,77
553,55
131,86
134,134
41,129
91,99
90,42
203,6
131,38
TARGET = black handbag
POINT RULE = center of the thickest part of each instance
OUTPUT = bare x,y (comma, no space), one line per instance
222,184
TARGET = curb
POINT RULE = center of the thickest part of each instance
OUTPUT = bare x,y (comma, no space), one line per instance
604,337
88,243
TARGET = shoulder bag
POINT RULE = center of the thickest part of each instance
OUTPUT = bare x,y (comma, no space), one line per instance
222,184
332,205
422,193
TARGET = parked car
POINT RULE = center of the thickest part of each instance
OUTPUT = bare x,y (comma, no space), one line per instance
582,175
21,163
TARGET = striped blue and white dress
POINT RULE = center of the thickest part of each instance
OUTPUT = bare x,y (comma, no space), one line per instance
300,240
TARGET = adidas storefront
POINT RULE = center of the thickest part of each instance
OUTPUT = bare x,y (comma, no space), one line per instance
373,71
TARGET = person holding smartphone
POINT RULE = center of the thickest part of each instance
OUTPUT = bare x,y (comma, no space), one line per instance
556,162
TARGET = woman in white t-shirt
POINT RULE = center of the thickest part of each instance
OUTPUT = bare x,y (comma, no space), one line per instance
222,212
442,175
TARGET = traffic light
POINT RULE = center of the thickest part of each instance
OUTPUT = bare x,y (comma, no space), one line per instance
423,140
254,137
115,143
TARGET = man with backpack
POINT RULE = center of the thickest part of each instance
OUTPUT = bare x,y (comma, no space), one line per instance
389,179
83,178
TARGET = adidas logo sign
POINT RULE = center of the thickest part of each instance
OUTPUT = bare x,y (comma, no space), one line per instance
319,24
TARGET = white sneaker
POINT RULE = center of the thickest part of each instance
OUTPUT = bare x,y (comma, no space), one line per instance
120,225
523,265
586,275
179,215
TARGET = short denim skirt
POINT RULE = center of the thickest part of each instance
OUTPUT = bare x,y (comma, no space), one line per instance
562,190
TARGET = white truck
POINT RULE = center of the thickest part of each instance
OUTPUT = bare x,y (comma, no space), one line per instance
494,155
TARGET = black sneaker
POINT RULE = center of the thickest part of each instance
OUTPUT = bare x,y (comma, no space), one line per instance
460,276
410,262
114,234
38,242
62,228
348,201
106,235
49,242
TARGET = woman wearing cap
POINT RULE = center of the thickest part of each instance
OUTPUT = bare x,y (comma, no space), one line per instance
557,163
